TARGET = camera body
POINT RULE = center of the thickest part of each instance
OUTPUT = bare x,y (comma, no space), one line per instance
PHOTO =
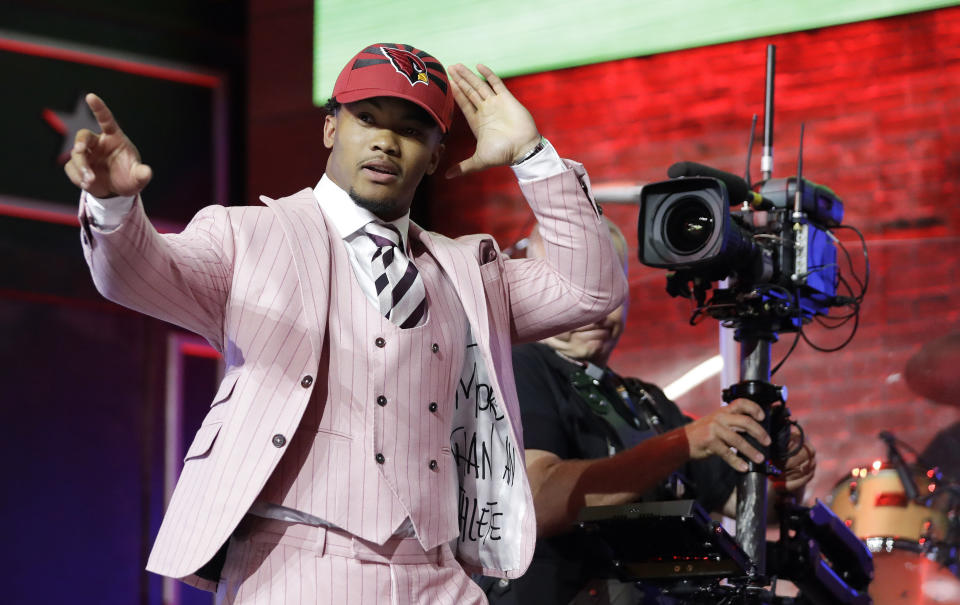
687,225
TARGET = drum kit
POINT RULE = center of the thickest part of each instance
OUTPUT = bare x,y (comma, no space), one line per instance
914,541
908,515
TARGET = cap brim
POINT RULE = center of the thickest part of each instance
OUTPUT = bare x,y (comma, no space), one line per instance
369,93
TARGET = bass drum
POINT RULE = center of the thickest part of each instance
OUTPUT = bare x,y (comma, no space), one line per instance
913,542
902,577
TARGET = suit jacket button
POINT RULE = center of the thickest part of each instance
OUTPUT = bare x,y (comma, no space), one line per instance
380,342
433,406
279,440
379,458
307,381
435,347
433,465
381,401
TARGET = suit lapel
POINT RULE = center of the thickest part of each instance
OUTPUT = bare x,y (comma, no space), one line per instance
308,239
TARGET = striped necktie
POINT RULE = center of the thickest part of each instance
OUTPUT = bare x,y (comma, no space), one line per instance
400,291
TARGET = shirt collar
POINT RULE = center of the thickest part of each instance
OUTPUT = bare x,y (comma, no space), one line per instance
346,216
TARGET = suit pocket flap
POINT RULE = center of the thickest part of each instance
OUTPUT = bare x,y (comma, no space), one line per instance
203,441
226,387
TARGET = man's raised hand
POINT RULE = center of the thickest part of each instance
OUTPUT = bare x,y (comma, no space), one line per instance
504,129
106,164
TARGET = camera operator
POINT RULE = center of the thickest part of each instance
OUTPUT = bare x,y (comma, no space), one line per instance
594,438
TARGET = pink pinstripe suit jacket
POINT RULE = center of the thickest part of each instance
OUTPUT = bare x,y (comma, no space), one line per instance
255,282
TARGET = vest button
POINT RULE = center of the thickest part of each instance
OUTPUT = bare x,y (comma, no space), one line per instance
433,465
379,458
307,381
432,407
380,342
381,401
279,440
435,347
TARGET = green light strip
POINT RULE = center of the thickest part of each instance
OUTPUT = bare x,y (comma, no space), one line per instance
517,37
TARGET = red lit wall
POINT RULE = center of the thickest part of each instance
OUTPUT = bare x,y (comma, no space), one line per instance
880,100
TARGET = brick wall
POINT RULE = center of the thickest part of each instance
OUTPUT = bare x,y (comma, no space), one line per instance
880,100
881,104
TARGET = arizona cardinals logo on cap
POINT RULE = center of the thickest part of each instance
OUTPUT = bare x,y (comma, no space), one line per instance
407,63
374,72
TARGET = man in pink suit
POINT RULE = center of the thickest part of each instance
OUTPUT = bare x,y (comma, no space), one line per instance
364,445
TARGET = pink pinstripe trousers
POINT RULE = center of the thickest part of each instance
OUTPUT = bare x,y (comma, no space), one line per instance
278,563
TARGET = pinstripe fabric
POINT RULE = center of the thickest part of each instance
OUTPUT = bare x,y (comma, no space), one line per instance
344,427
289,564
257,283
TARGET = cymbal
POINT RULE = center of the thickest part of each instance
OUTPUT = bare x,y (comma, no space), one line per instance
934,371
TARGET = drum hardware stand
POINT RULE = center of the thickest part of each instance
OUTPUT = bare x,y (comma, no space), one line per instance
903,471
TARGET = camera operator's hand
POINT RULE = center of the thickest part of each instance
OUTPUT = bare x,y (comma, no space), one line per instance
799,469
716,433
107,164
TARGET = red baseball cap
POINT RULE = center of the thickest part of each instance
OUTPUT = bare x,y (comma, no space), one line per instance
397,70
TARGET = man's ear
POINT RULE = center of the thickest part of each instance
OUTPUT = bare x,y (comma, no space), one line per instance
329,129
435,158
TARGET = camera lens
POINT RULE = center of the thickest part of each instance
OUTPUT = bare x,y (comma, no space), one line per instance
688,225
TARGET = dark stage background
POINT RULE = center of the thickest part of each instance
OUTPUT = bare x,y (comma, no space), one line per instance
88,413
87,392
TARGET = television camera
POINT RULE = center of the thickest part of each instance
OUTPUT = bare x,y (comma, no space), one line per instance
775,245
772,243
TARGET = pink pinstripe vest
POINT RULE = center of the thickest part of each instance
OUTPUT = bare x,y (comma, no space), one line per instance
373,447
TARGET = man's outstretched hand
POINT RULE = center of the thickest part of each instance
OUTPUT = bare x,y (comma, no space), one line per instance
106,164
504,129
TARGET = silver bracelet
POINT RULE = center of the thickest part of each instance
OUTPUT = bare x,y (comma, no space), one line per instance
532,153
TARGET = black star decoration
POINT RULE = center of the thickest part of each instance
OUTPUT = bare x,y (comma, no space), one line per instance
69,124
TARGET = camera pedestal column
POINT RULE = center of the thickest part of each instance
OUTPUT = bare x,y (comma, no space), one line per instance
755,345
